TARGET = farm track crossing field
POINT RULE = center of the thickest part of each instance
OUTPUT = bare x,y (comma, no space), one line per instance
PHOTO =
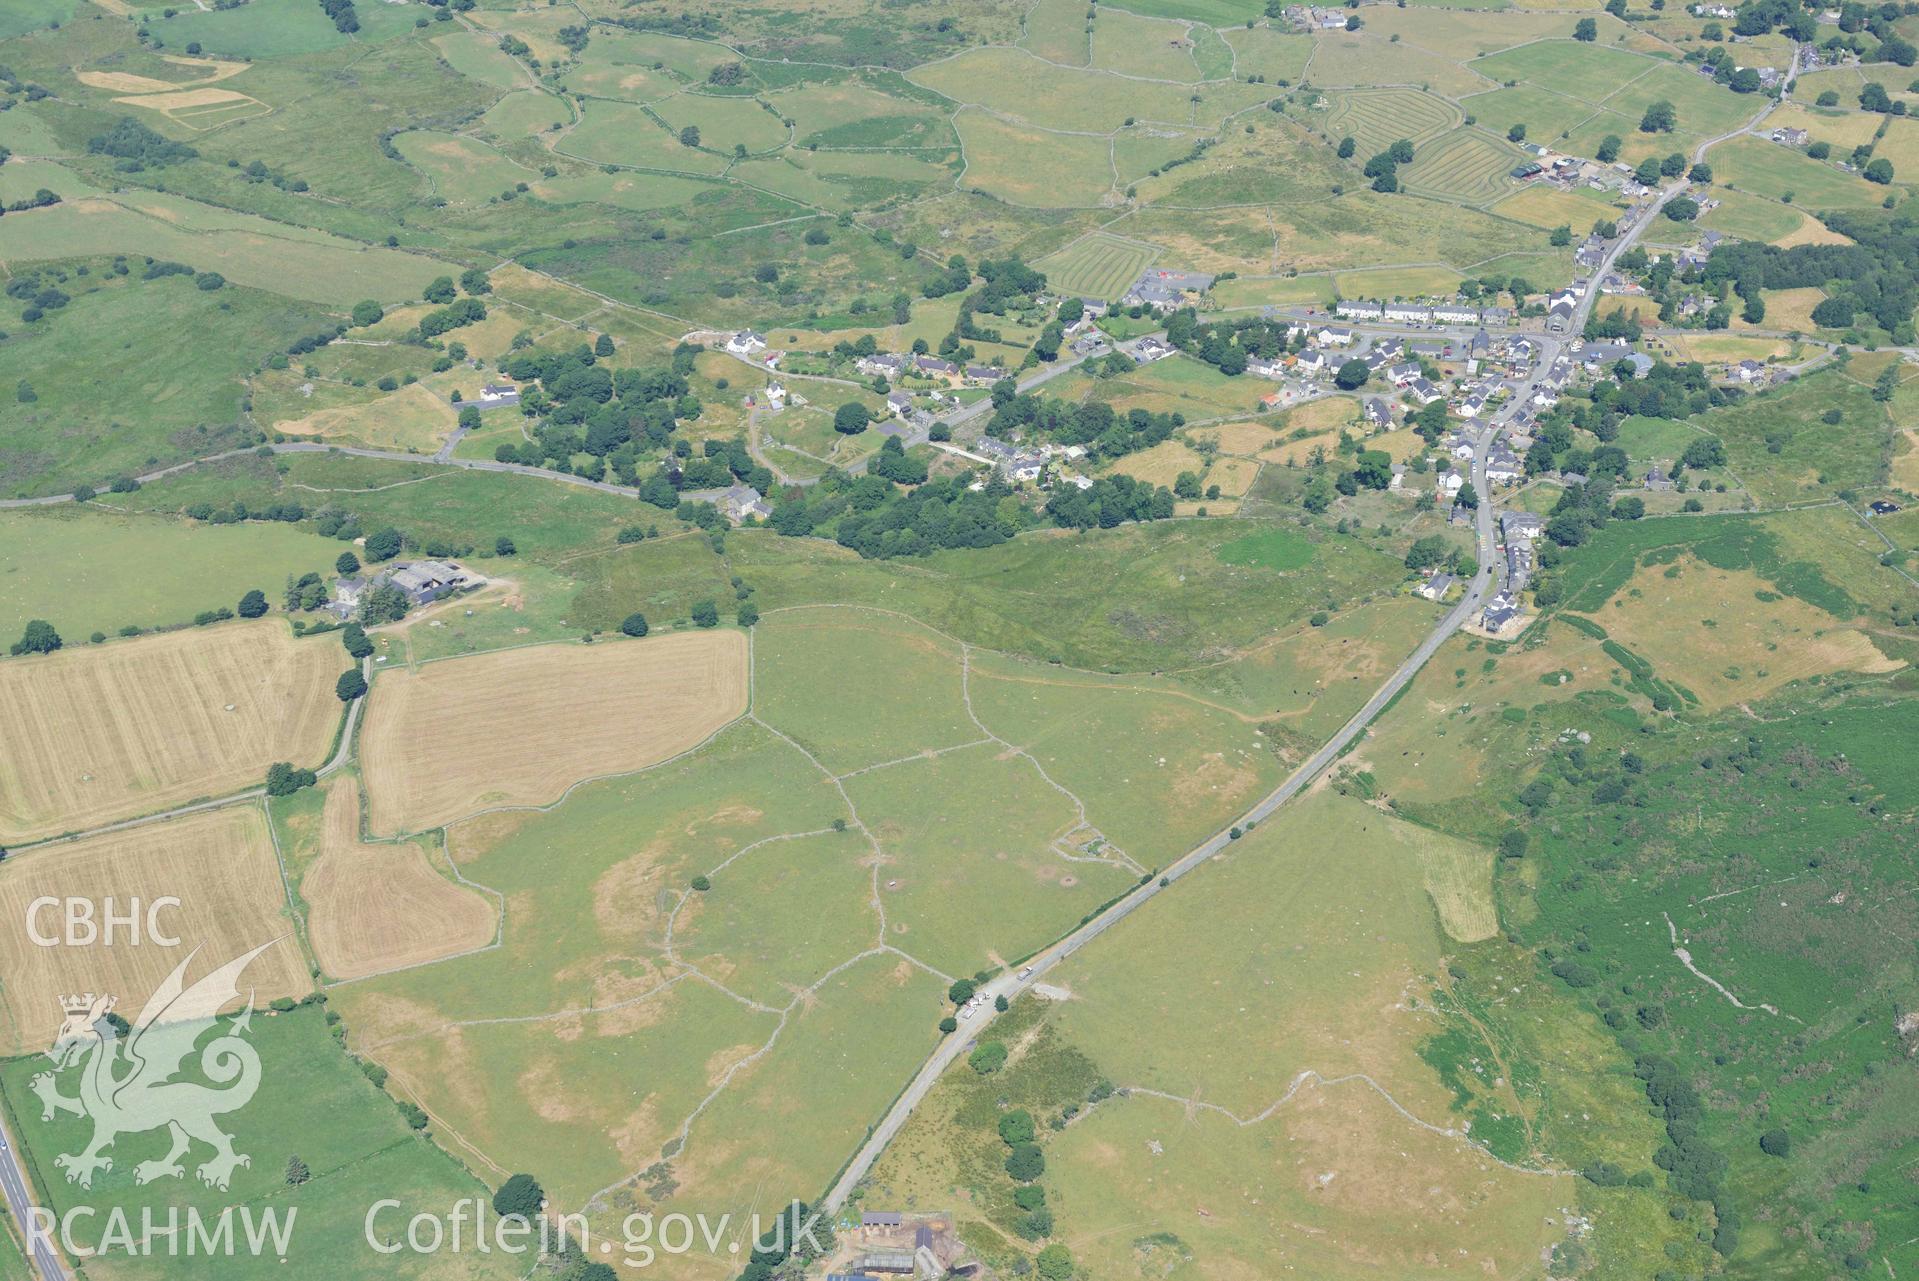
1464,166
909,698
1377,118
1097,266
218,863
95,735
518,727
376,907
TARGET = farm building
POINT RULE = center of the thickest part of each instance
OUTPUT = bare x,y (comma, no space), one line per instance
745,343
428,580
741,501
423,582
497,396
1165,290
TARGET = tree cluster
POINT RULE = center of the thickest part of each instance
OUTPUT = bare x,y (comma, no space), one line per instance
1383,168
1105,432
1877,274
136,147
342,14
587,408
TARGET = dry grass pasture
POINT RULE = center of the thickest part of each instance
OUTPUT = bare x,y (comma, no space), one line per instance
99,734
1733,642
1244,439
1162,464
218,863
416,418
520,726
1905,462
372,908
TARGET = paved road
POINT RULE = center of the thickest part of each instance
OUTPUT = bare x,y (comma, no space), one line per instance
1011,985
444,458
952,1046
13,1182
315,447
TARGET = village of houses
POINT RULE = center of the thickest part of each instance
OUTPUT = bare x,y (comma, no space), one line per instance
1479,360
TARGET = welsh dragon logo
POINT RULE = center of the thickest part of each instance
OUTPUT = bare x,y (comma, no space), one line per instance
126,1079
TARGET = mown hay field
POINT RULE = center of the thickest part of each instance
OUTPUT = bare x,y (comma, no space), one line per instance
1465,166
378,907
1098,266
1377,118
518,727
218,863
96,735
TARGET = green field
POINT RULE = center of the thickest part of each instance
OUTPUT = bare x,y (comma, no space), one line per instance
724,122
1545,112
1589,72
269,29
86,571
1033,167
524,114
112,392
909,701
361,1153
1155,766
962,896
247,251
1830,974
478,58
1781,447
1768,169
462,170
619,134
1098,266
